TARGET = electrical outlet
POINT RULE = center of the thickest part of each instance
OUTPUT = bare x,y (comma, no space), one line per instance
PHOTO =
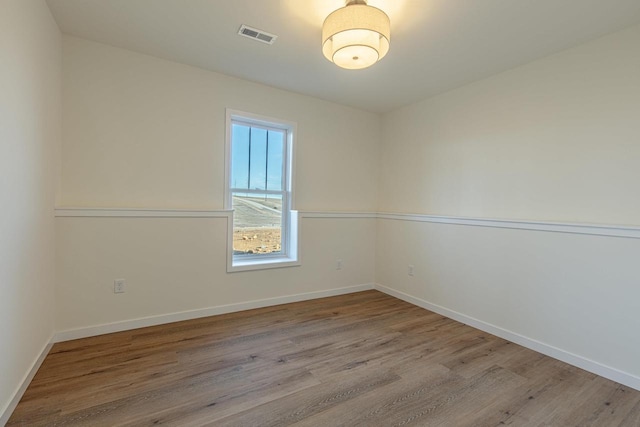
118,286
339,264
410,270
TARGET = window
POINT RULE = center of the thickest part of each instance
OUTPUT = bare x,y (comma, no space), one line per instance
263,231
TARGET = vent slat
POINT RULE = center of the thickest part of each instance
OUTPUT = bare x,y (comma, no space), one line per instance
264,37
255,34
250,33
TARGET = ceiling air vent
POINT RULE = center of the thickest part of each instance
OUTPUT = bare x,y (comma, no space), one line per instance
255,34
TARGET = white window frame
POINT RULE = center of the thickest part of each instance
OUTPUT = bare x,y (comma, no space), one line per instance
289,256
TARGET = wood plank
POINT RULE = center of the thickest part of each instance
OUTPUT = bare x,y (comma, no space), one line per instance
363,359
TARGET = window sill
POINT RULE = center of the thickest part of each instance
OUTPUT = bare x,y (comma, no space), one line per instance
262,264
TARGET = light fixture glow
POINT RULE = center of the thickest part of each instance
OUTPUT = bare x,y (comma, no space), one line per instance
356,36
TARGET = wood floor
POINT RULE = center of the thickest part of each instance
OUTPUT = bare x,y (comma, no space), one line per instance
364,359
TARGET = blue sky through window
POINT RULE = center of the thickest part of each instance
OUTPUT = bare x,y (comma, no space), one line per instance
256,158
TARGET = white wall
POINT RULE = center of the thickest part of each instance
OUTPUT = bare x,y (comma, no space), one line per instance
30,49
176,265
554,140
144,132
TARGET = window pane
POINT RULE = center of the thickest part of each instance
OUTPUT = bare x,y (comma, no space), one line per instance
258,159
239,156
275,153
257,223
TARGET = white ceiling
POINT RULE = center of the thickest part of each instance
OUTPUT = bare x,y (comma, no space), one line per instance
436,45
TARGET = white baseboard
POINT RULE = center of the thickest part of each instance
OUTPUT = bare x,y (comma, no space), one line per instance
126,325
5,413
91,331
565,356
573,359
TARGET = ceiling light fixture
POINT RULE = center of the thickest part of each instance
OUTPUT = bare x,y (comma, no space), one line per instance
356,36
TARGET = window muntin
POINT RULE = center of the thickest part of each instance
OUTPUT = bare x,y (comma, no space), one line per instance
258,156
259,192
